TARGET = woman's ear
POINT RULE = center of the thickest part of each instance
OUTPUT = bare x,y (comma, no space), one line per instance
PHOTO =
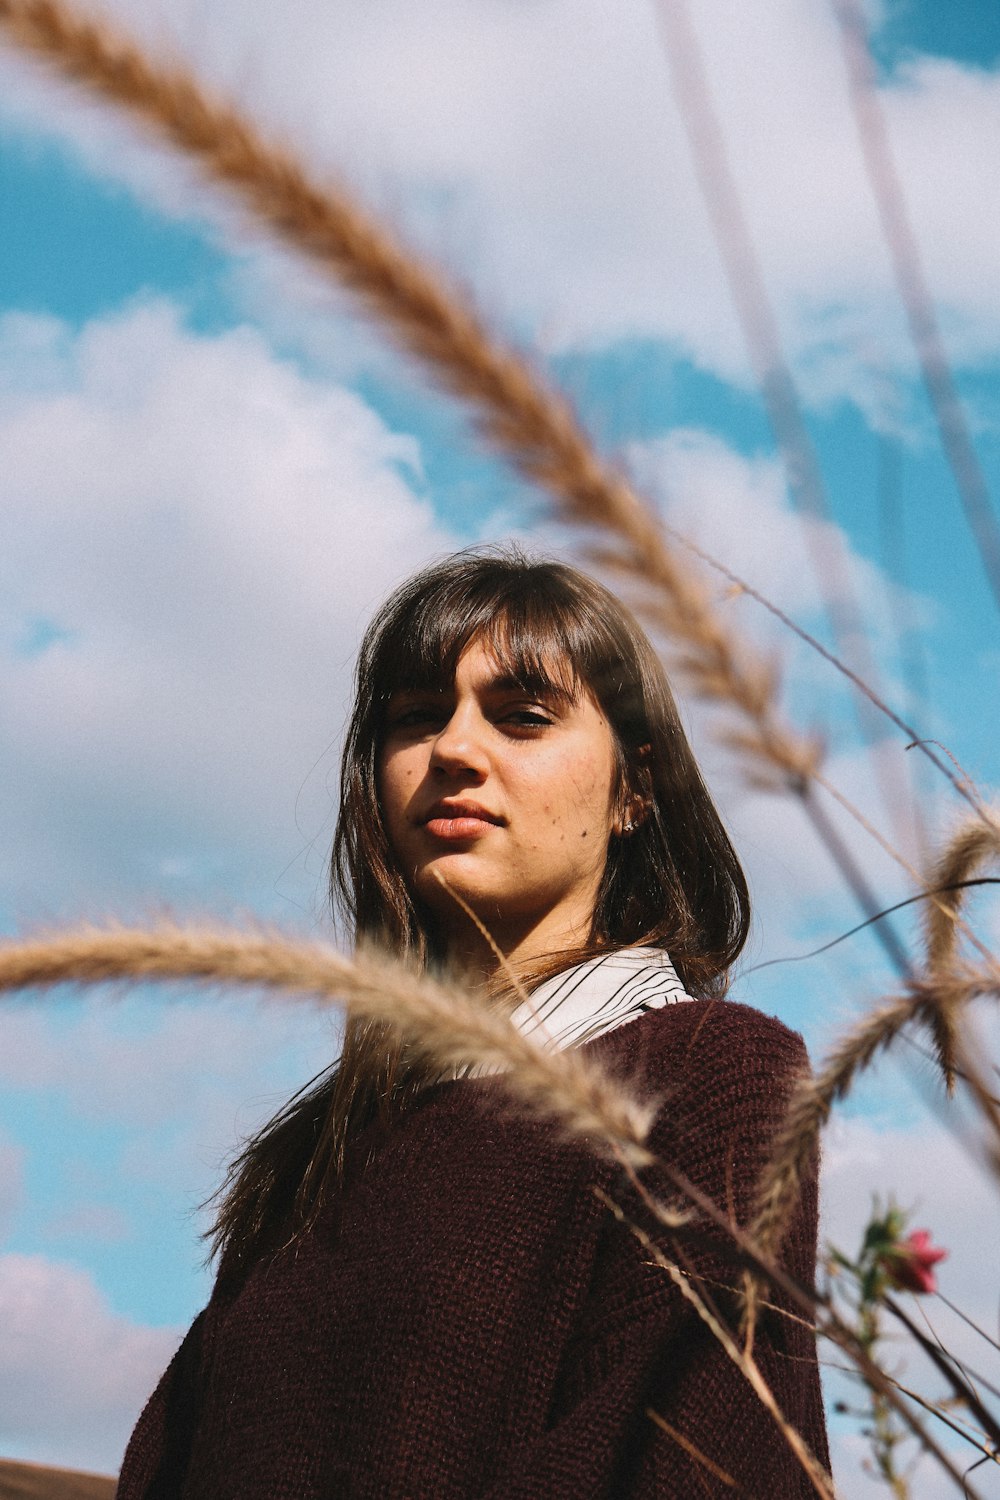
635,805
632,812
636,813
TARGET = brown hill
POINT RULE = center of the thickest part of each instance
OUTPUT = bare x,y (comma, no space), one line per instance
34,1482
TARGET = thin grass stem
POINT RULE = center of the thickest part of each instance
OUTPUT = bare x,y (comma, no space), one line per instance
961,1388
911,283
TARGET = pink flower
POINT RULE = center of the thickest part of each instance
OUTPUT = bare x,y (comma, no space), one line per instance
909,1263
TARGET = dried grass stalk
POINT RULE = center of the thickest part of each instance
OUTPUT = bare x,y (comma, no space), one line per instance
934,998
439,1022
914,291
693,1451
515,409
813,1100
971,846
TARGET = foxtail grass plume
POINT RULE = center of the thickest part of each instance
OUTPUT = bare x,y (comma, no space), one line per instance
514,407
975,843
811,1103
934,998
438,1020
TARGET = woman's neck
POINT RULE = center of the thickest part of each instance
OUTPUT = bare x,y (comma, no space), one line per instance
487,956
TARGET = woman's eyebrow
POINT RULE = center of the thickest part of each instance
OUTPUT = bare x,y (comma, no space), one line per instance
532,682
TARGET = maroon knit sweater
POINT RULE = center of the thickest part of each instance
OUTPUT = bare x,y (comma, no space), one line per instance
472,1323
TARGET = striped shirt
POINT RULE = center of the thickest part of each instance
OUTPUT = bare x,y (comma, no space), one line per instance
596,996
584,1002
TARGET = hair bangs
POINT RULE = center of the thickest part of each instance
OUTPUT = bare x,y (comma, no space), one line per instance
532,636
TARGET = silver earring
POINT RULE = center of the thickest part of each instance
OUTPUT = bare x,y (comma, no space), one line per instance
628,826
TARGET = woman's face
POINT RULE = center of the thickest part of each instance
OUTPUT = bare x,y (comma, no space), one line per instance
507,794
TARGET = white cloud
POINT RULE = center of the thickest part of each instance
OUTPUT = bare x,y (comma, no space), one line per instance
737,508
210,530
542,143
73,1374
199,533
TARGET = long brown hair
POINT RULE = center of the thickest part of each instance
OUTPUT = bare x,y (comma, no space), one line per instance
673,882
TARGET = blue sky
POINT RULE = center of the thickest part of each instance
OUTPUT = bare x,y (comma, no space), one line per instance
214,471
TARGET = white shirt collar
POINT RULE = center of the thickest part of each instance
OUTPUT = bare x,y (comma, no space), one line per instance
596,996
592,997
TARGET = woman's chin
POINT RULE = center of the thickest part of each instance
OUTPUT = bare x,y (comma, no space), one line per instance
451,887
453,875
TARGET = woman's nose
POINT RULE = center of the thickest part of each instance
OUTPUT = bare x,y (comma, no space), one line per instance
460,746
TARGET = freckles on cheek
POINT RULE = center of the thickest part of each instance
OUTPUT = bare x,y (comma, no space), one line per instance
587,795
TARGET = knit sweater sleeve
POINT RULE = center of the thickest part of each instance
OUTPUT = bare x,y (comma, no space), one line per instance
724,1072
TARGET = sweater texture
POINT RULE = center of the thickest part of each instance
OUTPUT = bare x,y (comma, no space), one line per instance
472,1322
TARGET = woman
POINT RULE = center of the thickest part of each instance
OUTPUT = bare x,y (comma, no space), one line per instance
421,1295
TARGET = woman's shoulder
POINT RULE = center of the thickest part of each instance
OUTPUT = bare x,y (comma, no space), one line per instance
705,1041
721,1075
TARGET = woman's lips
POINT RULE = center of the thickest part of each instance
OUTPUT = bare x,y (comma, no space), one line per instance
464,827
460,823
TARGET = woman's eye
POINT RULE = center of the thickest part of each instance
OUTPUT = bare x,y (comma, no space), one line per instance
416,717
529,718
